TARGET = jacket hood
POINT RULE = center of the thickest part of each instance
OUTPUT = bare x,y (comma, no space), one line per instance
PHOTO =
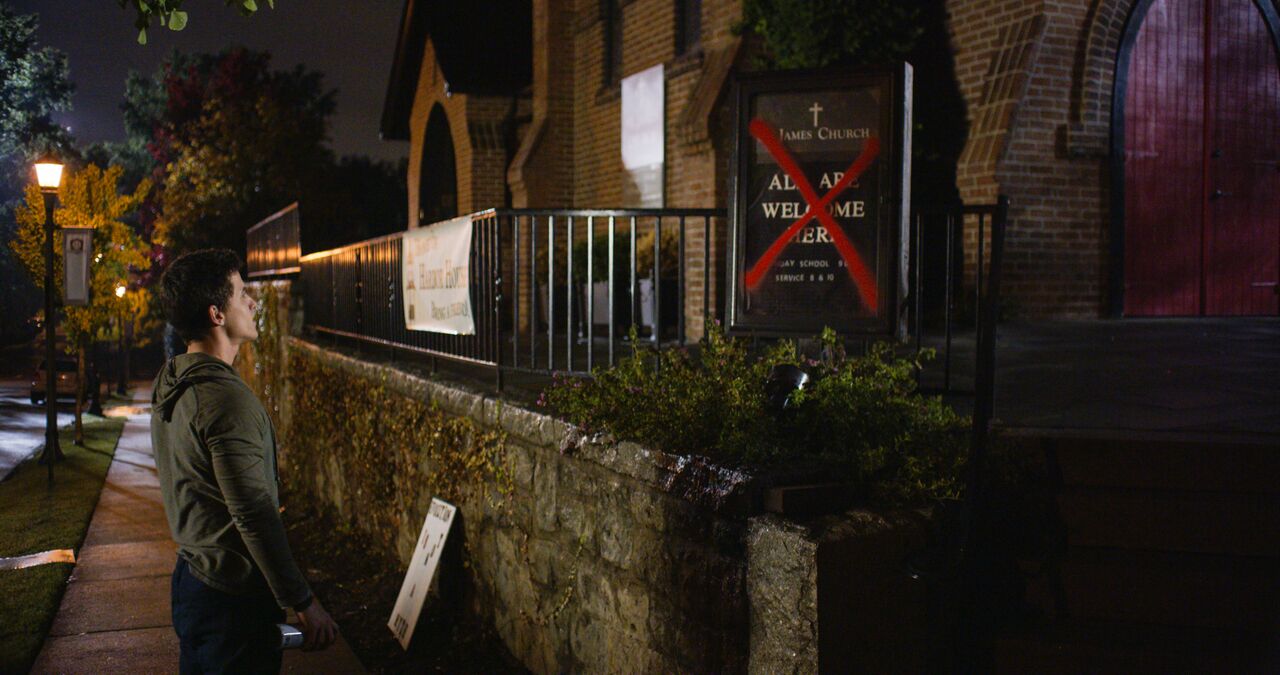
180,373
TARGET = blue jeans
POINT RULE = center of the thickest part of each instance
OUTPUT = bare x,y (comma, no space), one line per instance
223,633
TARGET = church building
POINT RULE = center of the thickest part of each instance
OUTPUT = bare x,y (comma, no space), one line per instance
1138,140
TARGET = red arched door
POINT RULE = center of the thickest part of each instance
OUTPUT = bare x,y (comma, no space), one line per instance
1202,162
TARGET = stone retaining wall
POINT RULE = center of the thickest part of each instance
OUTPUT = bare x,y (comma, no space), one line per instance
593,555
604,556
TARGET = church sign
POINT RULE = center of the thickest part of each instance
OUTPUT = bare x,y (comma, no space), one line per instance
820,202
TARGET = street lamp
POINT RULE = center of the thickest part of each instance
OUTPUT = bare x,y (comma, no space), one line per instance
125,335
49,176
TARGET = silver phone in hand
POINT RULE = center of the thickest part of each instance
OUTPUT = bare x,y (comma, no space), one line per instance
290,637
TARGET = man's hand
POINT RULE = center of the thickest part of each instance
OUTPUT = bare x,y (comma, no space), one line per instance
318,629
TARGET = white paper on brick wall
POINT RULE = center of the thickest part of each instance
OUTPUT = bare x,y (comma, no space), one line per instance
643,138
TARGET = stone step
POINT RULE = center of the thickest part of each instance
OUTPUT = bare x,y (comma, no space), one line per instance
1195,522
1158,461
1169,588
1074,647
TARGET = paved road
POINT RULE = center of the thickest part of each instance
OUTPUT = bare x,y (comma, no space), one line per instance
22,424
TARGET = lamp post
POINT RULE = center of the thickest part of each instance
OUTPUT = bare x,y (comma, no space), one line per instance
124,342
49,176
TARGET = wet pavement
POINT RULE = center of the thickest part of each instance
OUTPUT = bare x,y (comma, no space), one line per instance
22,424
115,614
1192,377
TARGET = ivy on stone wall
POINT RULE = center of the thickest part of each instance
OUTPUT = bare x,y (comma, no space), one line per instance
381,454
377,454
262,360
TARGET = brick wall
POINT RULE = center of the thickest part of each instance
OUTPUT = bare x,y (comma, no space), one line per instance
693,174
1018,64
476,126
541,173
1035,75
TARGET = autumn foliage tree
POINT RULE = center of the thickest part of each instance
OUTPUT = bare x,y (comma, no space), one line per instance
231,141
235,142
89,197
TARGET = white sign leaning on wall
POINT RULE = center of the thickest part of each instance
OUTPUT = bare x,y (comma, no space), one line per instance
435,271
422,570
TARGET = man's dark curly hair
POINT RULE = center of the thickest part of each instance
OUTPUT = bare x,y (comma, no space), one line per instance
192,283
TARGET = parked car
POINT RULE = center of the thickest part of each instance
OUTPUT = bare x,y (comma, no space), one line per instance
67,380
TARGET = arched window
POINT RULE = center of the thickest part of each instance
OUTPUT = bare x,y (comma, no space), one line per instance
611,28
438,186
688,26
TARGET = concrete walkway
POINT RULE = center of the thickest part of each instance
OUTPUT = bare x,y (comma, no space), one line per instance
115,615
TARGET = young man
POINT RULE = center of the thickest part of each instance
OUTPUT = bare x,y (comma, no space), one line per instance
215,454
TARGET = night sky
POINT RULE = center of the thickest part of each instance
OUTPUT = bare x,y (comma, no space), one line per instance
352,47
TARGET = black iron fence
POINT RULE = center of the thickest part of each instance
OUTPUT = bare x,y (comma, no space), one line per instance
354,292
273,245
953,281
584,282
550,290
569,289
964,296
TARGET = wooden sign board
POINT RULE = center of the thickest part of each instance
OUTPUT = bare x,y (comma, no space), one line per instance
819,202
422,571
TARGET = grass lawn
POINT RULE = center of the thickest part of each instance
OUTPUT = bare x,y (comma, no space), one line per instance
35,517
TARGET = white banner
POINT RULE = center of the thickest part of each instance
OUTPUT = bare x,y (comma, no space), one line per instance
77,247
436,270
422,570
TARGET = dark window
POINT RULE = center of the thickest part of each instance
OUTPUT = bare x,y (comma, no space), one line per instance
688,25
438,187
611,21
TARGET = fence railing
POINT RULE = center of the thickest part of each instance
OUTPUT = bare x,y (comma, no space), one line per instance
274,245
960,232
551,289
953,279
567,289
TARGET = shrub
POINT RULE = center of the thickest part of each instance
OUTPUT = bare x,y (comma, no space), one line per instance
860,418
820,33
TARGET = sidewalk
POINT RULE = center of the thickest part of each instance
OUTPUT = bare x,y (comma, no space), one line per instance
115,614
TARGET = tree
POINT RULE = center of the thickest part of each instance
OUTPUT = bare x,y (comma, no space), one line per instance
170,14
230,141
89,198
234,142
33,85
818,33
354,199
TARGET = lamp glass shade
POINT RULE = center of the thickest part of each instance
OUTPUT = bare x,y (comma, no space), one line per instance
120,291
48,175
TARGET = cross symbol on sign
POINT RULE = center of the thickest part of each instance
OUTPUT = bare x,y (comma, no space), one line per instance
815,110
862,278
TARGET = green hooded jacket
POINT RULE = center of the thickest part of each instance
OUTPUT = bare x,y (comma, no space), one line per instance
215,451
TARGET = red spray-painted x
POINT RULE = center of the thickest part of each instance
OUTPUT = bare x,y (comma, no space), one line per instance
862,277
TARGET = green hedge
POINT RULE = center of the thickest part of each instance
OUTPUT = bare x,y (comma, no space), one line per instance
861,418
